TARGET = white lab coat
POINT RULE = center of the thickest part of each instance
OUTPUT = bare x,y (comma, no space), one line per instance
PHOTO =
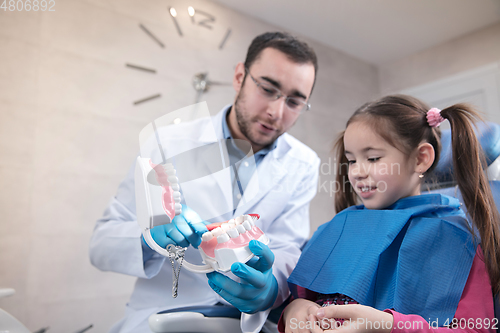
287,179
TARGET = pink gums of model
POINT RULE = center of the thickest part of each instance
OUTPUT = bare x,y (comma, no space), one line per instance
227,242
165,175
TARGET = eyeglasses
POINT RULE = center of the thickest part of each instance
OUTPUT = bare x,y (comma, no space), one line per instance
294,104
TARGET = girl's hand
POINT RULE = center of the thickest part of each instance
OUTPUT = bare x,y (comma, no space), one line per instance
296,316
357,318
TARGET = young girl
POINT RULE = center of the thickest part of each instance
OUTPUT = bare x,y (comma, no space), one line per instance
402,261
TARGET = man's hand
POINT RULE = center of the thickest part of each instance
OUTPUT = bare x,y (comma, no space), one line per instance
258,288
186,228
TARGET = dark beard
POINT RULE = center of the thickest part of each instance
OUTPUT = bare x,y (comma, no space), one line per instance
244,125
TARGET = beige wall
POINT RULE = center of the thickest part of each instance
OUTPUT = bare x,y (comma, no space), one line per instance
464,53
69,133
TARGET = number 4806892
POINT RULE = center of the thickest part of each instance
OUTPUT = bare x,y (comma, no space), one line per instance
28,5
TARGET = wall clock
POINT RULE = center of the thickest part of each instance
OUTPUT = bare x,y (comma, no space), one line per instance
202,20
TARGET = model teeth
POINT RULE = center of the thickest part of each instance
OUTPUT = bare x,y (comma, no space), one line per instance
170,171
223,238
217,232
225,243
174,184
250,220
231,229
233,233
168,167
247,225
173,180
365,189
177,198
207,236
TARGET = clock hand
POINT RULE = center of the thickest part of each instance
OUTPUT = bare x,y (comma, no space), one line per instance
141,68
198,96
201,84
150,34
147,99
173,13
221,45
216,83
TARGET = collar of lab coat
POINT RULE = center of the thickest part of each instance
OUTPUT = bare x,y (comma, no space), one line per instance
282,145
261,182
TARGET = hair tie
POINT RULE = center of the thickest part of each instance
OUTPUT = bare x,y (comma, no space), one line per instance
434,117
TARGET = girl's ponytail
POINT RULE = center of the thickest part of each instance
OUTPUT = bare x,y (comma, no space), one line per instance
468,166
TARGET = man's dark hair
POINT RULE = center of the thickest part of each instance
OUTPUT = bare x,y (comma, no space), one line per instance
296,50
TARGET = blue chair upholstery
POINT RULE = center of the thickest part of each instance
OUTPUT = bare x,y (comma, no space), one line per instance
489,138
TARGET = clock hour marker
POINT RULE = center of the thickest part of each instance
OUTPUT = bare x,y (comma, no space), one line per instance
147,99
141,68
191,13
225,39
173,13
151,35
207,21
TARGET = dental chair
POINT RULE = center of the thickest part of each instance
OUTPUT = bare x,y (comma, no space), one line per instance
217,318
441,179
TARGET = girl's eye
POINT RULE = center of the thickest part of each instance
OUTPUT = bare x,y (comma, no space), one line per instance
351,162
374,159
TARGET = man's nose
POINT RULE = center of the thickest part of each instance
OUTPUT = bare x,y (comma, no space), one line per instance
276,108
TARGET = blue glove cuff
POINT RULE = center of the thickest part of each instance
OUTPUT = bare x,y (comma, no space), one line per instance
273,294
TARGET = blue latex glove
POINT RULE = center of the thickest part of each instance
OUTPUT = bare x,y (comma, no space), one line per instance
185,229
258,288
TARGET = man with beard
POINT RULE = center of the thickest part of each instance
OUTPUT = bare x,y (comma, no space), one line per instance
272,87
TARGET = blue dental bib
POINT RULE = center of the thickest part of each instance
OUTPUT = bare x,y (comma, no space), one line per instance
413,257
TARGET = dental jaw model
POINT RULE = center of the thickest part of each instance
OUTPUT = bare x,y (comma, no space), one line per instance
158,202
227,242
158,199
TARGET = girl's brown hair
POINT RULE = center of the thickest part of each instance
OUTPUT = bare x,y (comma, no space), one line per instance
401,121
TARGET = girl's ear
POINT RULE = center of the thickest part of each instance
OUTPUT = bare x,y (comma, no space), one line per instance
425,157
